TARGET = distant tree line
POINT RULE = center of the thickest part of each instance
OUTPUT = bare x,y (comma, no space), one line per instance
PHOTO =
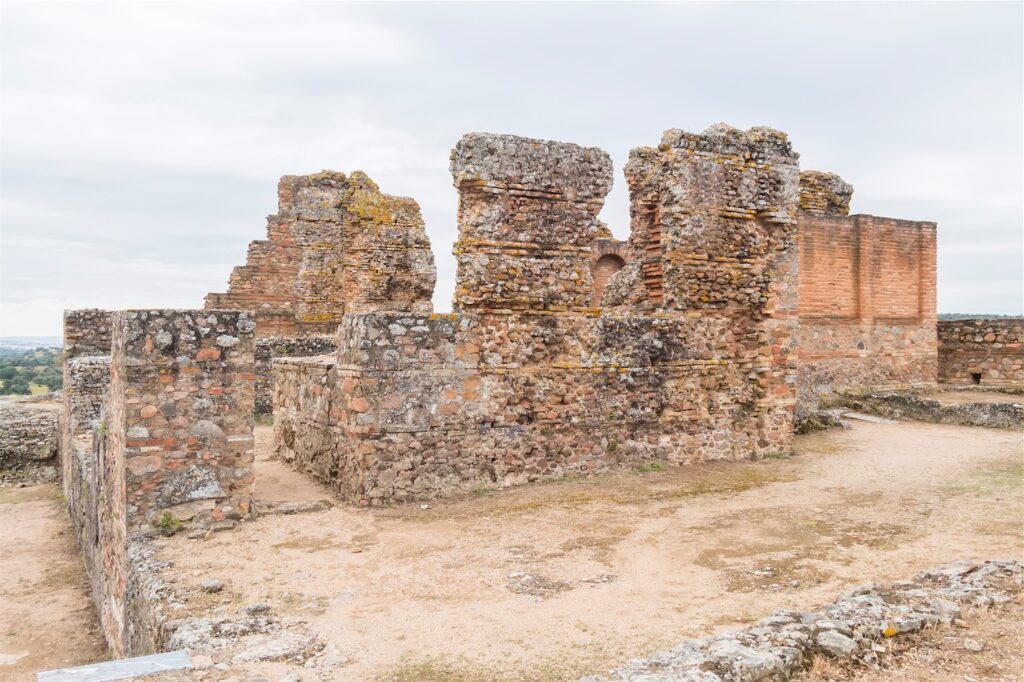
21,370
972,316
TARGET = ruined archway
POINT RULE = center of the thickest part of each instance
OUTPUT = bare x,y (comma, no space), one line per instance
602,270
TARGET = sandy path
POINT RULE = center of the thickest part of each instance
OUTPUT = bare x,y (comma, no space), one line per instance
551,581
47,619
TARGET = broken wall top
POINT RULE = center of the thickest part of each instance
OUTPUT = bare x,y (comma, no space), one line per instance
710,214
527,219
336,245
87,332
572,172
824,194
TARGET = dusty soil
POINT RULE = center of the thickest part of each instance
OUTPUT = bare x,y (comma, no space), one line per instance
47,619
558,580
946,653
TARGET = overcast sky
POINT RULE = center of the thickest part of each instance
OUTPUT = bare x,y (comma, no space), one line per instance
141,143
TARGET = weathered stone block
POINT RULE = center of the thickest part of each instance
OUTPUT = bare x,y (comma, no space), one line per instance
527,217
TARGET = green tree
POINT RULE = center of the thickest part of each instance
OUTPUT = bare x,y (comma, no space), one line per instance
18,386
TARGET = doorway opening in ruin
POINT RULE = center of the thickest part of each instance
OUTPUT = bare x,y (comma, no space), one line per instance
606,266
976,378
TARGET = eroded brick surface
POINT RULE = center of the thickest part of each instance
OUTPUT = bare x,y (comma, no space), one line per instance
867,296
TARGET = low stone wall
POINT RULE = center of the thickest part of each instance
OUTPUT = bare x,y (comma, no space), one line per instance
897,405
985,352
283,347
838,356
416,407
28,442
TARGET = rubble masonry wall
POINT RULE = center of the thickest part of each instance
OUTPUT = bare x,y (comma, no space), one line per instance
987,352
336,245
28,442
268,348
157,434
526,380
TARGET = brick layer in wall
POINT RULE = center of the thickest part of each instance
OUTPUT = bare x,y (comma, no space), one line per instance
867,304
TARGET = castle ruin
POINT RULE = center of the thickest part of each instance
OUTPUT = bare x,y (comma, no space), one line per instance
744,292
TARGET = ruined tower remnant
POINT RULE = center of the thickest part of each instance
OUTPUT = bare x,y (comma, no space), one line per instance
526,380
867,295
714,237
824,194
527,216
336,245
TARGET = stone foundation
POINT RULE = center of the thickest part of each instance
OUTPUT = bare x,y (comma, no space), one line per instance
904,405
985,352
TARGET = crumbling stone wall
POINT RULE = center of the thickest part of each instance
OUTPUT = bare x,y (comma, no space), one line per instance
824,193
336,245
526,380
867,295
268,348
986,352
155,435
87,343
180,413
527,216
28,442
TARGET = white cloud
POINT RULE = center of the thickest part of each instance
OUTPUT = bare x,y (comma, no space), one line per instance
140,143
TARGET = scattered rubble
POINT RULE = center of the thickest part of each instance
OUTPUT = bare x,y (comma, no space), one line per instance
212,585
855,626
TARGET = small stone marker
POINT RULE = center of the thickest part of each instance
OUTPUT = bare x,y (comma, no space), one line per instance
120,669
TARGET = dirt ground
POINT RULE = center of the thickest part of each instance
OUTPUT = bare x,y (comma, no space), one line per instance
47,619
558,580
